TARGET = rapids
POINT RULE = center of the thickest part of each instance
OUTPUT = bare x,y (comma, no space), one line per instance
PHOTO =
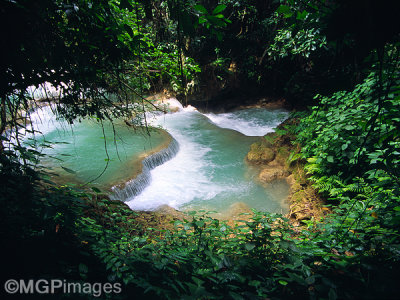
196,161
209,171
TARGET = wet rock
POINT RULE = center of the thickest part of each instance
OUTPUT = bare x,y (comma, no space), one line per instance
238,208
270,174
260,154
170,211
291,182
237,213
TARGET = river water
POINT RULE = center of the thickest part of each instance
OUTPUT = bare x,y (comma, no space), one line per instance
201,165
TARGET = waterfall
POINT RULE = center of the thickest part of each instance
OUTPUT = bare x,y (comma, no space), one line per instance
209,171
135,186
196,161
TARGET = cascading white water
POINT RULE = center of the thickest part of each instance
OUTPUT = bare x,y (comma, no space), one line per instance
136,185
201,168
250,121
209,171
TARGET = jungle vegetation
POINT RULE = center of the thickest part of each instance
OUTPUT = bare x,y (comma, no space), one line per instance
336,62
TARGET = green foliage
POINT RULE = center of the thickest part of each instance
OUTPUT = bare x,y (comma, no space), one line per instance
262,257
354,132
351,143
73,45
204,257
164,61
213,20
302,43
97,49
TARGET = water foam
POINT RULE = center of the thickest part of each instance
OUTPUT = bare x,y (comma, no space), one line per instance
135,186
183,178
209,166
178,181
203,163
250,122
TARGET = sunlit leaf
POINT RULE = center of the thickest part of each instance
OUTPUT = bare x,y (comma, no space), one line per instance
283,282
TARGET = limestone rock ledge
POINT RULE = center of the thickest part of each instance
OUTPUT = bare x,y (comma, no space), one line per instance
270,156
260,154
272,171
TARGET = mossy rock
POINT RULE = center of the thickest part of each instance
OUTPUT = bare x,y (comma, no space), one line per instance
260,154
300,211
282,155
300,176
269,139
299,196
270,174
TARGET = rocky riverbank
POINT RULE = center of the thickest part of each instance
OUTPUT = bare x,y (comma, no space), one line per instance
273,156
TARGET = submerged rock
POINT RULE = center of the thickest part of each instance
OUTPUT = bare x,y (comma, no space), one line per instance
170,211
238,208
235,212
272,173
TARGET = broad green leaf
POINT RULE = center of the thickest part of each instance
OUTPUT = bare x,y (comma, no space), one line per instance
198,281
201,8
216,21
283,282
285,10
301,15
200,223
218,9
202,19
